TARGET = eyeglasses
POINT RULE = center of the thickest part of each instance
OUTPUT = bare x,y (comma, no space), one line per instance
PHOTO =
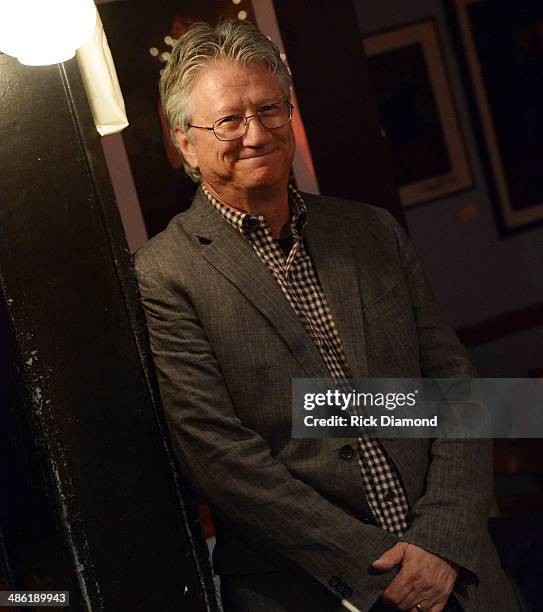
271,116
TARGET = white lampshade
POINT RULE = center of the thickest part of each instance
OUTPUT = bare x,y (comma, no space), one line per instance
40,32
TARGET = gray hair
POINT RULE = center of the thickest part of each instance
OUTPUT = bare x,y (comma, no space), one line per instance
231,40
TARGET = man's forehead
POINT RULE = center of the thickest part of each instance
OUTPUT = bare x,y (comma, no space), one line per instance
221,84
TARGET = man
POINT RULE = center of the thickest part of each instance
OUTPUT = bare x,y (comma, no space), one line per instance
256,285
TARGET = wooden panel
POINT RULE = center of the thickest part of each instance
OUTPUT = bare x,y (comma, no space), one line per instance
503,325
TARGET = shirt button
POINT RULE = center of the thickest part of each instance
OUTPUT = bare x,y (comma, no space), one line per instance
346,452
250,223
389,496
326,346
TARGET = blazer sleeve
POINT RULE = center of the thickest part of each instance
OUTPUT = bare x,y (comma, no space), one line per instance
450,519
233,466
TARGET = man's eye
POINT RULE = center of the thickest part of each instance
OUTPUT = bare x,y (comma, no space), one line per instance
228,120
270,109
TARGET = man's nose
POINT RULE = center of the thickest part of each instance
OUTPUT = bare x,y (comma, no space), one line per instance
256,133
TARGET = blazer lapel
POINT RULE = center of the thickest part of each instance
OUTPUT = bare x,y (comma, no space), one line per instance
233,257
329,247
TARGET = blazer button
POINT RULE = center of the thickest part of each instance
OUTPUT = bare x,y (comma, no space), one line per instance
347,592
334,581
346,452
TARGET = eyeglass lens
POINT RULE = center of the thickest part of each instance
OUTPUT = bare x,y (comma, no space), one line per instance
272,116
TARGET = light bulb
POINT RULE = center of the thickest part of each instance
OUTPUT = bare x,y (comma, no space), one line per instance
41,32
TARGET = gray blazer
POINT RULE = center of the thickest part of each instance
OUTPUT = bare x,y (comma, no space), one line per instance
226,345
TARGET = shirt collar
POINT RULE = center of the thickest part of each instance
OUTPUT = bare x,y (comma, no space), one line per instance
247,224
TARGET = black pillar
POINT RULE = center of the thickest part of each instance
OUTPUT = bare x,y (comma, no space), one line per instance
336,97
91,501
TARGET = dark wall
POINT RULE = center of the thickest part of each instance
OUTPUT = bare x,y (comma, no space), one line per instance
491,285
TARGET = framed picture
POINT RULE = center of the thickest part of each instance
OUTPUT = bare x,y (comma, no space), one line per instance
502,42
417,111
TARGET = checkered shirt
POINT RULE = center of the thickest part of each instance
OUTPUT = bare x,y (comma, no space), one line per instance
298,281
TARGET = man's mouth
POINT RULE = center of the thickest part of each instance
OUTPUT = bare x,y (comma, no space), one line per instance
260,154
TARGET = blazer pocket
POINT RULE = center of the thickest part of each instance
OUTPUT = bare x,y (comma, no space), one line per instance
386,304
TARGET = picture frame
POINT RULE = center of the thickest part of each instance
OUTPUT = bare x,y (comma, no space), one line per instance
418,113
501,48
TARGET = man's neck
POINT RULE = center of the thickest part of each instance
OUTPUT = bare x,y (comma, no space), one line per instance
271,204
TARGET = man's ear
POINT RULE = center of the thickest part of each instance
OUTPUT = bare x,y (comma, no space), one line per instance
187,148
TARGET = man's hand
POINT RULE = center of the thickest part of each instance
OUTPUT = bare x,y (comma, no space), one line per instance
424,578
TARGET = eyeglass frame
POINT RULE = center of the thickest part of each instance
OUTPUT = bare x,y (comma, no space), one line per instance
246,120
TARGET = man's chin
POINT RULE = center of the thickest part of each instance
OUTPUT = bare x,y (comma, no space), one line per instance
264,179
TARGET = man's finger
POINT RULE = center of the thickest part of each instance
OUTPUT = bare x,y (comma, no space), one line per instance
393,556
403,587
428,606
416,596
438,607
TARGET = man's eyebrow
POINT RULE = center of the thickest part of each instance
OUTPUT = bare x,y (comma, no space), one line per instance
226,111
271,101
